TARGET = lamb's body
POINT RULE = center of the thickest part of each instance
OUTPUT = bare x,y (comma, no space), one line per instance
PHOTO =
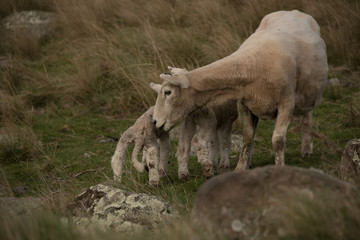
214,127
209,131
145,136
279,71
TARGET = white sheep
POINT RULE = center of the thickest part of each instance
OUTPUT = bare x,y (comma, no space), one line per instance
280,71
213,131
145,136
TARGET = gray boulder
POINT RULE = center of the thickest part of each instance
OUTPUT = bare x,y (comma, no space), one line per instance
106,207
37,23
278,202
23,206
350,162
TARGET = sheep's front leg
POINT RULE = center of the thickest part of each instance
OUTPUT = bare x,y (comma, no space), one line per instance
224,133
152,163
206,143
250,125
187,133
119,157
306,141
164,142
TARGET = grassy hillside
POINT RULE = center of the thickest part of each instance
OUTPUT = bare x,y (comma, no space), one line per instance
63,96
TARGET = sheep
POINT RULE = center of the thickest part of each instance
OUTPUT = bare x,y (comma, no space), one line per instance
145,136
280,71
213,132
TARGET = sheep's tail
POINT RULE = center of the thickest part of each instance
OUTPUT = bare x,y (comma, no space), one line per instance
134,158
119,157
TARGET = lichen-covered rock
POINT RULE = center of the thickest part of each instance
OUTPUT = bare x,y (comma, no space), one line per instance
38,23
350,162
272,202
108,207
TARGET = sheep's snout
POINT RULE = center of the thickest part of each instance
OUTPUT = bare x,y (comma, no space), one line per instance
154,122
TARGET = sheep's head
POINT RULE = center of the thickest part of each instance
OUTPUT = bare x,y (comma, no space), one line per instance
174,99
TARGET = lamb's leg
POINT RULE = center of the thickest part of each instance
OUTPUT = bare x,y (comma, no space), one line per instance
279,135
139,141
153,164
206,142
187,133
306,141
224,133
164,142
250,124
119,157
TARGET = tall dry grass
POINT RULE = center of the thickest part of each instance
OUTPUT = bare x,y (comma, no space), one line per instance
104,53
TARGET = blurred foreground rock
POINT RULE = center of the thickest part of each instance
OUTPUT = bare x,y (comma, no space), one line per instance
278,202
106,207
37,23
22,206
350,162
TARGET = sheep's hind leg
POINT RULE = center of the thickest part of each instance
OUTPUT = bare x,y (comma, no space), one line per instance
119,157
306,141
184,147
279,135
250,125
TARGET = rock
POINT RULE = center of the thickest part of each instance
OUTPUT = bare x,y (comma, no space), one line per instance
20,190
22,206
38,23
272,202
350,162
107,207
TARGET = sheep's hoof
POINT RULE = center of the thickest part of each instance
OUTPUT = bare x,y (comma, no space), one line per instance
224,169
183,176
209,170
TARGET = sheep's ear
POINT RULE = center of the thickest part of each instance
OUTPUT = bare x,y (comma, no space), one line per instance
178,80
175,71
155,87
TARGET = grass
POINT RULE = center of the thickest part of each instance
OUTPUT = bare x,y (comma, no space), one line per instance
63,96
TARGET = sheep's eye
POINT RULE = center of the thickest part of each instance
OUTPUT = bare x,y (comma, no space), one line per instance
167,93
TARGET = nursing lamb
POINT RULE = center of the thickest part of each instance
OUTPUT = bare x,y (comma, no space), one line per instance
213,134
280,71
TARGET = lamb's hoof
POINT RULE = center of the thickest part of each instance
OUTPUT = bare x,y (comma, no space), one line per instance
224,169
209,170
154,178
117,178
183,176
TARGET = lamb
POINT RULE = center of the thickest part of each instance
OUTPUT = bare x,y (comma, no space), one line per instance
213,131
280,71
145,136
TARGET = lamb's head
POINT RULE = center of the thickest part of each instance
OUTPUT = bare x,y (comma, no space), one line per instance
175,99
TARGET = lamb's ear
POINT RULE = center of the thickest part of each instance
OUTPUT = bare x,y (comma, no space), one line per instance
179,80
155,87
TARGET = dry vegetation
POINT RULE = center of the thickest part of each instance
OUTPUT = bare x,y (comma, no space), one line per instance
104,53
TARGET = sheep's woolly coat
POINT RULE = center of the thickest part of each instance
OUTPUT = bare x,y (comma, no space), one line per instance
278,72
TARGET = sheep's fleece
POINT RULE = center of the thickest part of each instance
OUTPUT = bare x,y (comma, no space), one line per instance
280,71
